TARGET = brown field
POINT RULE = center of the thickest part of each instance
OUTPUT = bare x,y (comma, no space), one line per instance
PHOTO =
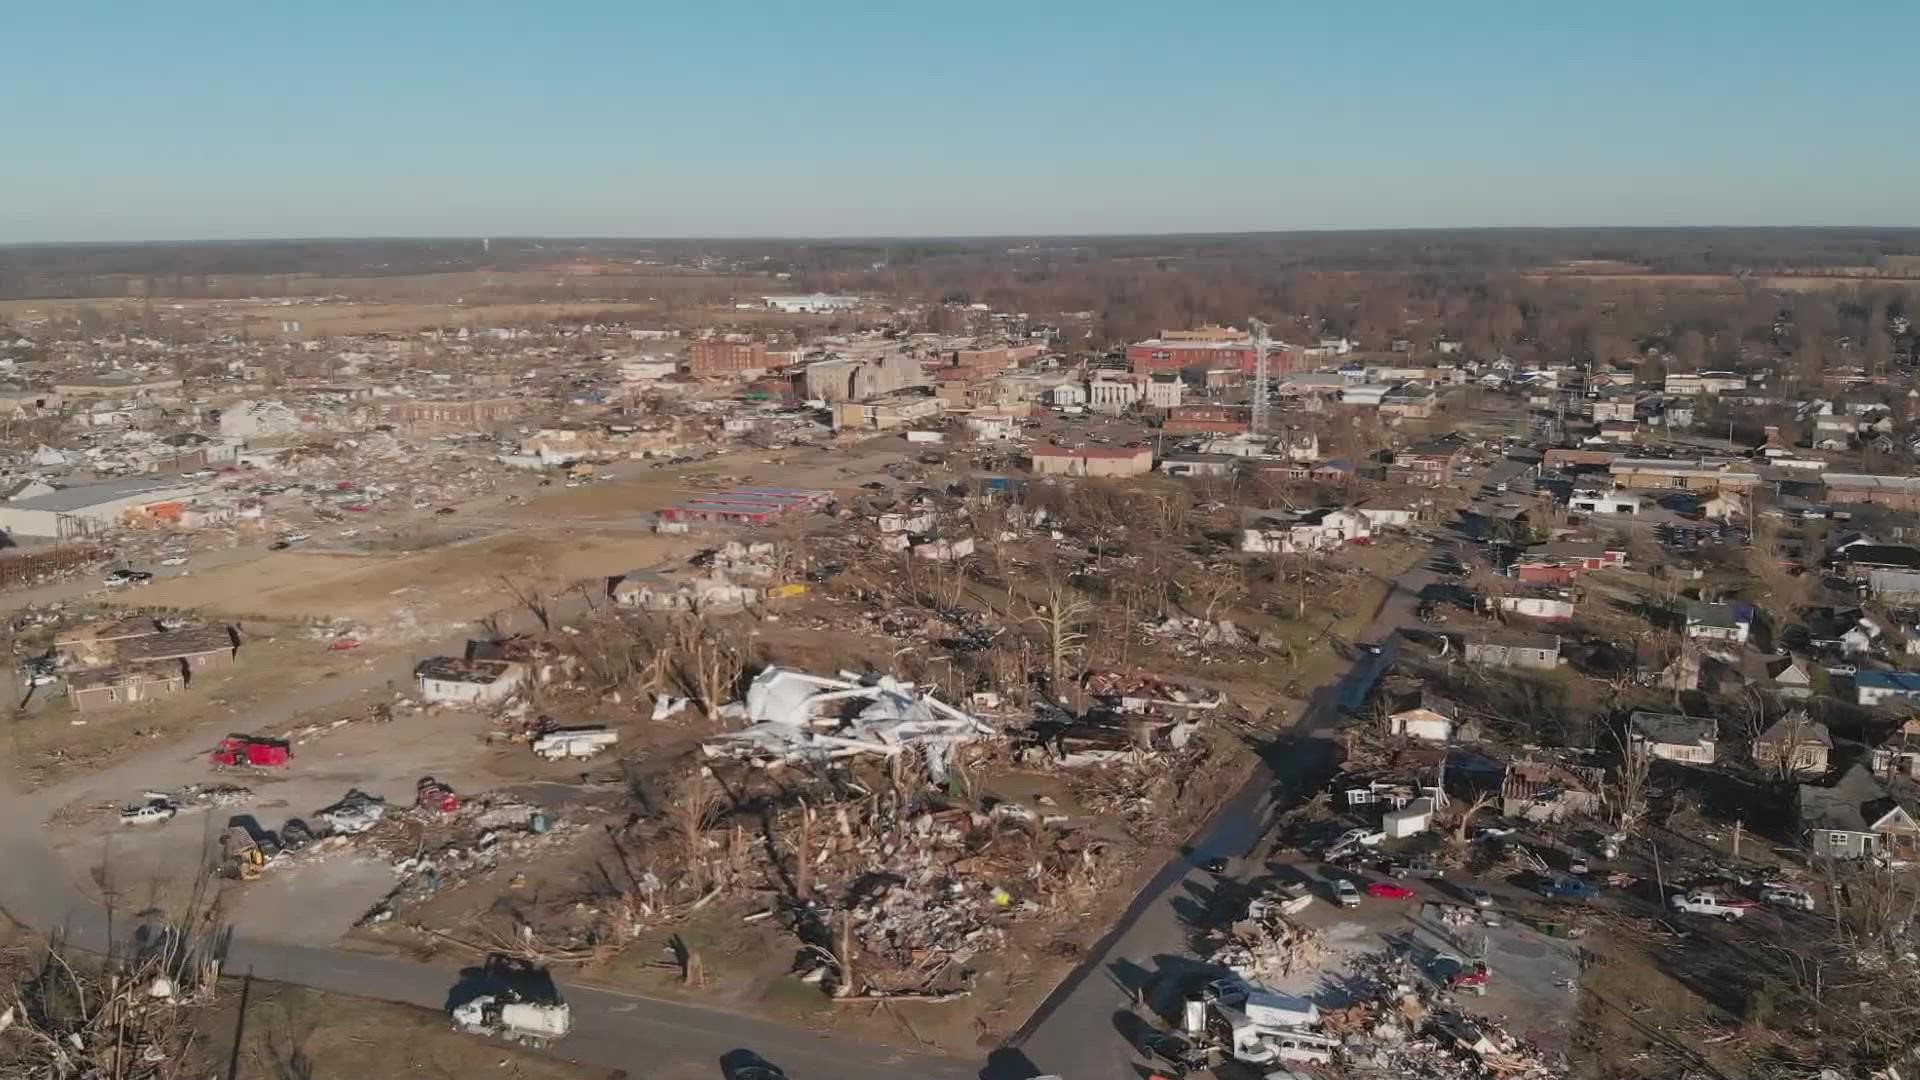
330,306
452,584
1732,283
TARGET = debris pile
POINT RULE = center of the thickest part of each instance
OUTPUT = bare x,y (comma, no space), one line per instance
1403,1026
792,716
1269,949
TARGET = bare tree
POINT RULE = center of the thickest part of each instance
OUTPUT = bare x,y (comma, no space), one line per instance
696,809
1629,789
1060,619
709,666
529,596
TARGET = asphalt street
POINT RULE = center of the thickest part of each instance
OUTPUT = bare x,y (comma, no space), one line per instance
1081,1031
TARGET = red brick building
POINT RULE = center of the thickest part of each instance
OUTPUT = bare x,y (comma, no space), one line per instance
727,357
1207,420
1163,355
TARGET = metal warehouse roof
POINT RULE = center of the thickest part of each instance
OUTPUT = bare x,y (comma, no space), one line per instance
70,499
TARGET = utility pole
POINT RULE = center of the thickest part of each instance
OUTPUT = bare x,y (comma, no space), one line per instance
1258,330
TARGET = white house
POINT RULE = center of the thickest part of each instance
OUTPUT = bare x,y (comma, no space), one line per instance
1672,737
1164,391
1389,517
1720,622
1421,715
1314,531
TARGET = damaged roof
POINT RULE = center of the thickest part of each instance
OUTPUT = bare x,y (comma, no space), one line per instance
179,644
1854,803
457,669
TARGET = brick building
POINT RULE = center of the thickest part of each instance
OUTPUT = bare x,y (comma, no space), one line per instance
1207,420
727,357
1163,355
1108,461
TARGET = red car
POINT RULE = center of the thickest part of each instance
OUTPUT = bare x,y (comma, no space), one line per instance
1387,890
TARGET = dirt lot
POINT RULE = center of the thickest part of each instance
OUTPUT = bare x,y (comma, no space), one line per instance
48,741
433,589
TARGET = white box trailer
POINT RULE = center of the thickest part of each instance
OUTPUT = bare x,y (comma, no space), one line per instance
576,743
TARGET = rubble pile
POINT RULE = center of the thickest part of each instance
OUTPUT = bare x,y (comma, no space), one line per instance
1406,1028
792,716
1269,949
488,834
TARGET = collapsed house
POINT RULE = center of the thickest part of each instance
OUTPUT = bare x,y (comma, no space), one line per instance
793,716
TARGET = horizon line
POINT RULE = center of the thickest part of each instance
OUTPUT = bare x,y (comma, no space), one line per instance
851,238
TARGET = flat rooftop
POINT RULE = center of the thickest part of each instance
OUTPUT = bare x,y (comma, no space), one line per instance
67,500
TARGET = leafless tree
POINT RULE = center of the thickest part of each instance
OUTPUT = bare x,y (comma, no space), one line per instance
1061,619
1630,784
530,596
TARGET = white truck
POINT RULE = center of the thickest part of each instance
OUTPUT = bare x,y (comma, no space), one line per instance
578,743
1706,903
1254,1043
516,1021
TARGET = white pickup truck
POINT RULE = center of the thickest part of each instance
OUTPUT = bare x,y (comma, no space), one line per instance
1706,903
575,743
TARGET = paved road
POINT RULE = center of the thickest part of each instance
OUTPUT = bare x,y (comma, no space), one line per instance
1083,1029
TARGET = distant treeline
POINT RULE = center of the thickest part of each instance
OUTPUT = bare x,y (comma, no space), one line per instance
185,269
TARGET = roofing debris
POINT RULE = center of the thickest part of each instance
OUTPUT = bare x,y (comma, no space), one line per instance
793,716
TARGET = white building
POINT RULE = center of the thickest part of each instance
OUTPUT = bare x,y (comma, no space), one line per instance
1067,395
450,680
646,369
812,304
1389,517
91,508
1604,502
1112,395
1164,391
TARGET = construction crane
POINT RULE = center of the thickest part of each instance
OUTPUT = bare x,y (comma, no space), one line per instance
1259,419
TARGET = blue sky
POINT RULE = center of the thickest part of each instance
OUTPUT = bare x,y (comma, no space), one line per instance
821,118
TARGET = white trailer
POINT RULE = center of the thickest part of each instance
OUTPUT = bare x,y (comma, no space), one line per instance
576,743
515,1021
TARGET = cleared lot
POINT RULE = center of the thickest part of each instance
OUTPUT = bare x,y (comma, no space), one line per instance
452,584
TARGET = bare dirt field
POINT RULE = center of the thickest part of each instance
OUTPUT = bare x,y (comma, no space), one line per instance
1729,282
325,306
450,585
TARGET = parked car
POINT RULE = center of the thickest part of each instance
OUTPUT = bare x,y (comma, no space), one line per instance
1566,887
1389,890
1346,894
1700,902
1411,868
1791,896
1477,896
